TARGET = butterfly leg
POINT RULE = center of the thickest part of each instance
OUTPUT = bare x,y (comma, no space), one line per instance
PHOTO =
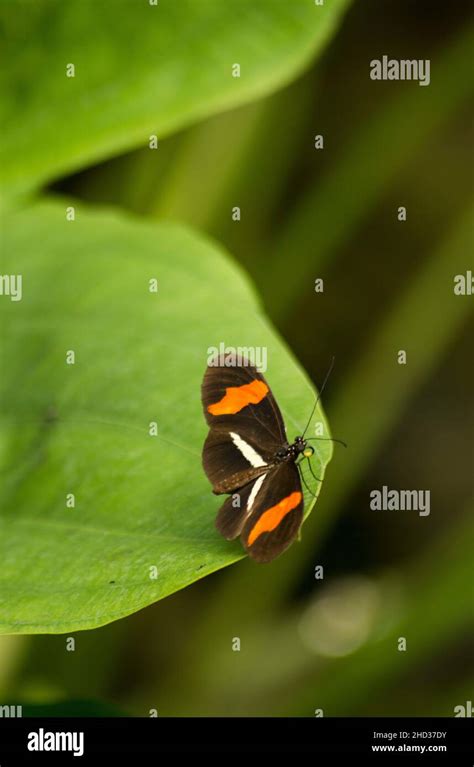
305,483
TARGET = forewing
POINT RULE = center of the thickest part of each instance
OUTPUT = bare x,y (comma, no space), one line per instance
237,398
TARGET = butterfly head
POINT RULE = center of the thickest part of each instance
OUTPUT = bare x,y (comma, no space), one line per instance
300,446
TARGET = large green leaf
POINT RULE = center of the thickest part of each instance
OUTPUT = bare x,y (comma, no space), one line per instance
139,69
140,500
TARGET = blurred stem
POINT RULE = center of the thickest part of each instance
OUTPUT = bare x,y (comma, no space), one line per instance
209,158
240,158
12,652
262,176
330,211
364,413
145,169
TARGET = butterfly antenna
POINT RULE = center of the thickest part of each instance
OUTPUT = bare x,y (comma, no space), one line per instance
319,395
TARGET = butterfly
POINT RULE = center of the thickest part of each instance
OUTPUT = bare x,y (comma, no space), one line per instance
247,455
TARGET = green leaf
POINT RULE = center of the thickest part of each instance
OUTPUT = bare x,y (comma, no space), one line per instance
83,428
140,69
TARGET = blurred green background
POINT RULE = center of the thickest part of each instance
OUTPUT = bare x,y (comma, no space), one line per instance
330,644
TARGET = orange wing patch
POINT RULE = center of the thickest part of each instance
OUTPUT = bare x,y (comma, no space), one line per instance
238,397
272,517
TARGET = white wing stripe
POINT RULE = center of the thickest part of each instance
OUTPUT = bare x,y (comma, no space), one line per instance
253,494
247,451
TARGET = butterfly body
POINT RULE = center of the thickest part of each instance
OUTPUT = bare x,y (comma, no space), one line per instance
247,455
